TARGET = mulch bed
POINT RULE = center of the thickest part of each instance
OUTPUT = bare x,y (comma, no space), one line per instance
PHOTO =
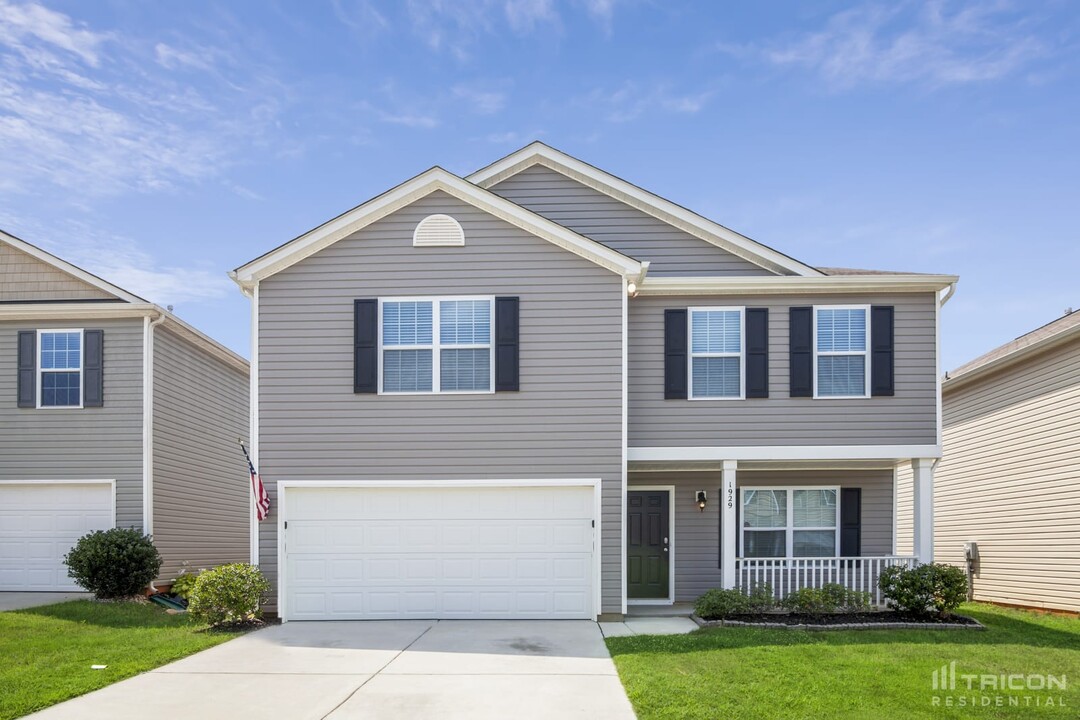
886,620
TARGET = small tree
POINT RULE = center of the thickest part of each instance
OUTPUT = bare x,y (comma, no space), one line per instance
228,594
113,563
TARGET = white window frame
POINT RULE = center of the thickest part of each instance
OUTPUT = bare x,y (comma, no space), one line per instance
437,347
690,354
40,390
789,529
865,353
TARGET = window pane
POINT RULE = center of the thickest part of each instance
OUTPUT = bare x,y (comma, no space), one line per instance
716,331
841,330
814,543
841,375
764,543
716,376
406,323
407,370
60,389
764,508
466,369
60,351
814,508
465,322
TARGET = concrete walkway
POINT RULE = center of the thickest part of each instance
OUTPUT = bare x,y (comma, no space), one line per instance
380,669
23,600
648,626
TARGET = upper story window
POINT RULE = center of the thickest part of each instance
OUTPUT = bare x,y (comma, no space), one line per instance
60,366
841,338
790,522
436,345
716,353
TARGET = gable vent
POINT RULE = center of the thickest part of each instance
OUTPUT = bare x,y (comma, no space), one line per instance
438,231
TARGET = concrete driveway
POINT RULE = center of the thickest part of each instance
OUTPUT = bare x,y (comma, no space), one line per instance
400,669
23,600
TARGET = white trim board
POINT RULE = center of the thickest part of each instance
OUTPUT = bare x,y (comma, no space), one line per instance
783,452
537,153
665,286
670,600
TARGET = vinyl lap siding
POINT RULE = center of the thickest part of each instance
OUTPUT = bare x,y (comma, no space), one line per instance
564,423
619,226
907,418
201,490
23,277
79,444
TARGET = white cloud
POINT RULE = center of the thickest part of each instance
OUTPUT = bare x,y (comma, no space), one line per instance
482,101
410,120
525,15
23,22
171,58
634,99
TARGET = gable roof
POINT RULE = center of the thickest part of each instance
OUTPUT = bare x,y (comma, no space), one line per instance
412,190
64,266
537,153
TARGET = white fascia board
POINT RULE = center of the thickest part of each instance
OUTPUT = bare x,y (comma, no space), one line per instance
538,153
413,190
675,286
784,452
66,267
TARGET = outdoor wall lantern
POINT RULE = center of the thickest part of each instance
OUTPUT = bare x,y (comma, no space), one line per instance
701,500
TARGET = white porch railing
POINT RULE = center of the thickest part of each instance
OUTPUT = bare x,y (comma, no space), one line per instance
788,574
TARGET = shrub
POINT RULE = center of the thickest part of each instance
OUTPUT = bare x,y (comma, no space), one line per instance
810,601
228,594
846,599
760,599
927,590
113,563
183,585
719,604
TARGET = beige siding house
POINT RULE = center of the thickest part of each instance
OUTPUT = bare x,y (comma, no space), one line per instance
113,413
540,391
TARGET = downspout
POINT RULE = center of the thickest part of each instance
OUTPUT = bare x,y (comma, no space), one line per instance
148,421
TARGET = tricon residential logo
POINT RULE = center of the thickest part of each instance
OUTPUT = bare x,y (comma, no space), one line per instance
974,690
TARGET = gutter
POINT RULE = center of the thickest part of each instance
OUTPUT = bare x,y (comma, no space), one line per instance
148,421
716,285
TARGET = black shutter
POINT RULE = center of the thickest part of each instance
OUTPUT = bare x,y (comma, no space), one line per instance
27,369
801,349
675,354
365,346
850,522
881,350
507,344
757,352
94,368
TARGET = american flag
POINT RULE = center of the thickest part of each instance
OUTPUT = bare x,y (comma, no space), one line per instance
262,500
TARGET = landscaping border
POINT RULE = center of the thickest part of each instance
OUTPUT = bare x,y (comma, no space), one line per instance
843,626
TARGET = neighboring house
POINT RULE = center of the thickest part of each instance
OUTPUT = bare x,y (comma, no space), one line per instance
541,391
1010,477
113,413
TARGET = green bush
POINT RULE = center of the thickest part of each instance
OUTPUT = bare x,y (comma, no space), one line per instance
846,599
718,604
931,590
810,601
760,599
114,563
184,585
228,594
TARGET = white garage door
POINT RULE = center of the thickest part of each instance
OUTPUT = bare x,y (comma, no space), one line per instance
39,523
439,552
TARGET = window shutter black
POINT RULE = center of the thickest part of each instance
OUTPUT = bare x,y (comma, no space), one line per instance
881,350
850,522
365,346
94,368
675,348
801,349
27,369
507,344
757,352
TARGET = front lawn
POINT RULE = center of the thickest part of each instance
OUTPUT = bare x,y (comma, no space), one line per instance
755,673
46,652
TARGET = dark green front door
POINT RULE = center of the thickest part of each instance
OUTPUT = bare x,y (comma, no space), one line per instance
647,544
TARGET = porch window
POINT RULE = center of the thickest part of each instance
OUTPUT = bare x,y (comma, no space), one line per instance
790,522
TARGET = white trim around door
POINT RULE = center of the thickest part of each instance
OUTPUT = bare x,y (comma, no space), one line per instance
670,600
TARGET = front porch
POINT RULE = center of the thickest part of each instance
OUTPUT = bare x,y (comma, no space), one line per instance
785,575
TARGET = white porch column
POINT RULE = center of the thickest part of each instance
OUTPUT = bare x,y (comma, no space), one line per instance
922,470
728,531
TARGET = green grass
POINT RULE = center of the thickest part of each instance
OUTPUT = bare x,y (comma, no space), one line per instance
46,652
752,673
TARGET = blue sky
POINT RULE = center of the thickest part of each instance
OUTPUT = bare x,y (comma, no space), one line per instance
162,144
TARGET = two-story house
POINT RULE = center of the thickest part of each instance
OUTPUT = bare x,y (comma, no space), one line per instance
541,391
113,413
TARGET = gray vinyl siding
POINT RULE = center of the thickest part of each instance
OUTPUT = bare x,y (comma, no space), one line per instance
24,277
909,417
201,490
619,226
79,443
566,421
697,534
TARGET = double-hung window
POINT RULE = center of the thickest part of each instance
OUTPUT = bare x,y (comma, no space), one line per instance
841,339
716,353
790,522
60,365
436,345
